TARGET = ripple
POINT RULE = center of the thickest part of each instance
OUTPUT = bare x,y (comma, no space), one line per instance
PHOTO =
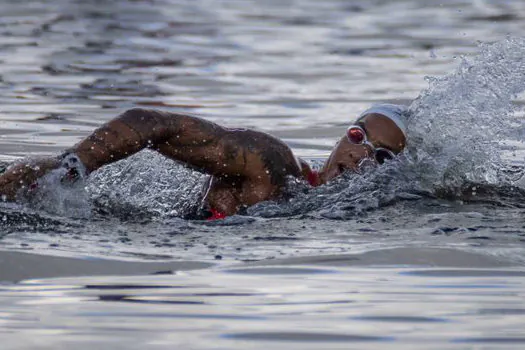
160,315
490,340
302,73
402,319
279,271
467,273
306,337
501,311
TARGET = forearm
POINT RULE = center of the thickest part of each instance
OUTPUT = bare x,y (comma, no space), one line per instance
181,137
123,136
126,134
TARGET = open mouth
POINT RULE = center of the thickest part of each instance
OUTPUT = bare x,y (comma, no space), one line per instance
341,168
361,166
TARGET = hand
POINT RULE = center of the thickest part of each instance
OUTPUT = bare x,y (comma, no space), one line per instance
23,176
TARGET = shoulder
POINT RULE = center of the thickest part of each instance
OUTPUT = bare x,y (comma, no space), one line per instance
264,153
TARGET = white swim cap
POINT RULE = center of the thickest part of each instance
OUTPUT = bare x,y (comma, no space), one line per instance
396,113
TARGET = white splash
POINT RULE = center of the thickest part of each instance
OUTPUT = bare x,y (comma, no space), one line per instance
458,123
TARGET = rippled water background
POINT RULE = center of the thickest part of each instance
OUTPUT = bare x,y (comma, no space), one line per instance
452,270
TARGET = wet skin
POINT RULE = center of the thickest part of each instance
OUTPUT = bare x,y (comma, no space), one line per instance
381,132
246,166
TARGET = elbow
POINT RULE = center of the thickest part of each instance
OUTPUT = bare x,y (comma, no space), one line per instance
137,115
148,123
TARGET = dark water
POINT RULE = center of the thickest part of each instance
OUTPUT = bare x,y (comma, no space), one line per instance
299,70
301,307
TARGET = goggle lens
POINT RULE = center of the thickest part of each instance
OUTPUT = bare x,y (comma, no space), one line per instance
356,135
383,155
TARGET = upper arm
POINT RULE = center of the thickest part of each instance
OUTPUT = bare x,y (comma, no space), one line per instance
194,141
198,143
224,152
210,148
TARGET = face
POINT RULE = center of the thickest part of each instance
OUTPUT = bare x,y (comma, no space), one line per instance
381,132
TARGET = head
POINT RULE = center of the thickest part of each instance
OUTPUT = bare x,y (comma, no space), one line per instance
385,130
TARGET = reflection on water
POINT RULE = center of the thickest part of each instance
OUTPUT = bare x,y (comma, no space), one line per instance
293,68
300,70
306,307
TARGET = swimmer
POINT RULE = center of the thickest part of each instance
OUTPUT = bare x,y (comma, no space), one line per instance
246,166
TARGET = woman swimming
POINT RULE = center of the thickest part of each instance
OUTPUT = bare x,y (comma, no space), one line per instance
246,166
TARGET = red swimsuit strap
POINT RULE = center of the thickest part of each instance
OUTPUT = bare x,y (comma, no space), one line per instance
216,215
313,178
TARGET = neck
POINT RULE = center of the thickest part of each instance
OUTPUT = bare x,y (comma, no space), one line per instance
311,176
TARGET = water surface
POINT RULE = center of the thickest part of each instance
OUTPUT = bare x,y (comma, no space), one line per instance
301,71
297,307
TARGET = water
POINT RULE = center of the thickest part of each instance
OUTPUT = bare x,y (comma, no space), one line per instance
260,307
443,222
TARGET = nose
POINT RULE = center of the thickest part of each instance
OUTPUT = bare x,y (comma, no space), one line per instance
357,153
353,158
346,156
